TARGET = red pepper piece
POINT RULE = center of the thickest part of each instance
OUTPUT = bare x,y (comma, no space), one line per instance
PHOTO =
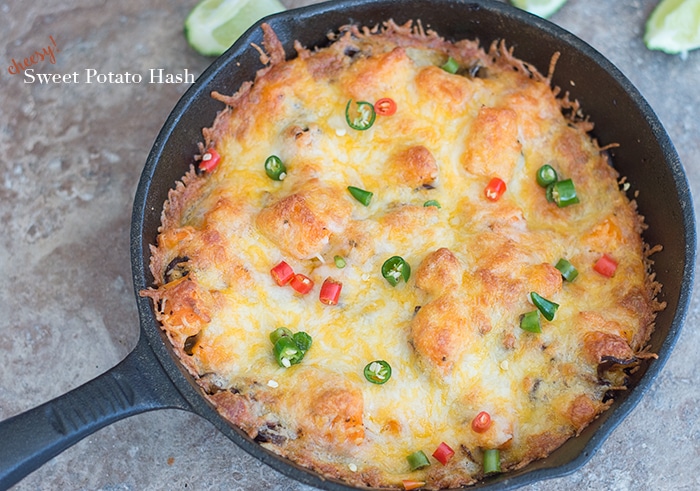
209,161
301,283
282,273
606,266
385,106
495,189
409,484
330,291
443,453
481,422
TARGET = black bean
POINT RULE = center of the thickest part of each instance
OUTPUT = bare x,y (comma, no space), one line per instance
176,269
191,342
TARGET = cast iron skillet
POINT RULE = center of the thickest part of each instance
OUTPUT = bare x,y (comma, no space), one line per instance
151,378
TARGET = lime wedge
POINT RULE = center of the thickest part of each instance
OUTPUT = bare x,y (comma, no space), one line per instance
674,26
542,8
214,25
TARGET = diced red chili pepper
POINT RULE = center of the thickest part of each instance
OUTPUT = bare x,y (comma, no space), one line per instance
330,291
302,283
606,265
443,453
385,106
495,189
409,484
481,422
282,273
209,161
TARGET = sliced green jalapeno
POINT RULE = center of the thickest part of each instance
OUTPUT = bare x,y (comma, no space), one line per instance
546,175
280,332
567,270
531,322
450,66
394,269
361,195
275,168
563,193
546,307
289,348
418,460
287,353
492,461
377,372
303,340
360,117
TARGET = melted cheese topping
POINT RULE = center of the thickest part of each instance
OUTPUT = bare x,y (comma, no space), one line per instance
451,333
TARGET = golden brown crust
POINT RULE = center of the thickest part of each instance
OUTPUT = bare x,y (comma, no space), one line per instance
439,272
302,223
335,414
416,166
439,333
451,332
492,147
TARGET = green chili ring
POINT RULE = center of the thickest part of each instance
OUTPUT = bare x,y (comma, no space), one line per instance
418,460
303,341
362,118
546,307
567,270
275,168
280,332
492,461
287,352
377,372
530,322
394,269
361,195
450,66
289,348
546,175
563,193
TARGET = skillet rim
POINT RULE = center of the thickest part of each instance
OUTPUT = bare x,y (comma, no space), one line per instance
144,202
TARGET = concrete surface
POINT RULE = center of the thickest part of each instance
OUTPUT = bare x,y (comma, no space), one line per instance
70,159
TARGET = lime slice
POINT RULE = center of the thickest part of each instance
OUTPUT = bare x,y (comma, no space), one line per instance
543,8
214,25
674,26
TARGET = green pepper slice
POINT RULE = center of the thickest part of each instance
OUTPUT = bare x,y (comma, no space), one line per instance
531,322
280,332
492,461
361,195
546,307
377,372
450,66
394,269
303,341
563,193
361,117
275,168
287,353
289,348
432,202
418,460
567,270
546,175
340,262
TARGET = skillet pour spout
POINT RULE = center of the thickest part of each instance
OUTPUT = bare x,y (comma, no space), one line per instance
152,378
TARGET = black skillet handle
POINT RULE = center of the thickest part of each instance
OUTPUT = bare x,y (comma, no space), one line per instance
30,439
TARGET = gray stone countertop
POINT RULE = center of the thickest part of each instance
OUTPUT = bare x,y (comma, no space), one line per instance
70,159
